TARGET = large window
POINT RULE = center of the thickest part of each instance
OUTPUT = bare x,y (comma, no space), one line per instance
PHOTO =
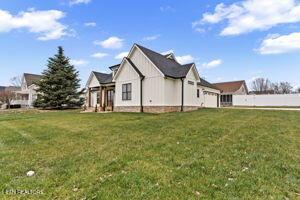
126,91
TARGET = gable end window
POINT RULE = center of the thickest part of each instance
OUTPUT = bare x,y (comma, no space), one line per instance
191,82
126,91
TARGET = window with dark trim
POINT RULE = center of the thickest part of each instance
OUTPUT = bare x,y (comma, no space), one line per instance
191,82
126,91
198,93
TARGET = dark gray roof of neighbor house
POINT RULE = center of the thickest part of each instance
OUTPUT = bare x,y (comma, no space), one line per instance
206,84
103,78
168,67
9,88
31,78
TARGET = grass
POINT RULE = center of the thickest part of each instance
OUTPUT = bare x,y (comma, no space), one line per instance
206,154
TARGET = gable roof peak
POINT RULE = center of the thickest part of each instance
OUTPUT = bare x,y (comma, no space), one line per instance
103,78
168,67
31,78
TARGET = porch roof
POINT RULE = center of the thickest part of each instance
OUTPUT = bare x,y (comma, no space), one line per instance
103,78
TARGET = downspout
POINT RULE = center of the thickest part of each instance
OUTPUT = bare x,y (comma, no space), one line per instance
182,94
142,107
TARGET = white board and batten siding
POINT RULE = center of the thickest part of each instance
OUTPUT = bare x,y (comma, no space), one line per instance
172,92
158,90
153,83
127,75
288,100
190,89
93,82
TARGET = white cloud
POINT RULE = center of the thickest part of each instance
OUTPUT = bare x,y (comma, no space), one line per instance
167,9
200,30
151,38
99,55
185,59
168,52
75,2
121,55
91,24
45,23
278,44
251,15
79,63
212,64
111,43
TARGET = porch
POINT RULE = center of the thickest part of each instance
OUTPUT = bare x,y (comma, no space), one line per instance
101,98
22,98
226,100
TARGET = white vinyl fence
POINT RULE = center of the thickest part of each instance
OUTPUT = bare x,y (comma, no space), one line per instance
289,100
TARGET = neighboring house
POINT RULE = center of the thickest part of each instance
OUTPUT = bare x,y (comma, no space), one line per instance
8,89
146,81
27,95
231,88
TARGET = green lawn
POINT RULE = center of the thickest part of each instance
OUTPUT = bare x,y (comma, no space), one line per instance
206,154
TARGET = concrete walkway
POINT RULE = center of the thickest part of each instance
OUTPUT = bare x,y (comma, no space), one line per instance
260,108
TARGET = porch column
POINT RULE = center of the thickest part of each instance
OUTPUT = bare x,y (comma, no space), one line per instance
89,97
100,97
104,98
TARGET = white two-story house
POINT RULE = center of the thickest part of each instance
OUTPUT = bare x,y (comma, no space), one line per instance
146,81
27,95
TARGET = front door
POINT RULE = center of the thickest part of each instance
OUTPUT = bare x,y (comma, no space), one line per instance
94,99
110,98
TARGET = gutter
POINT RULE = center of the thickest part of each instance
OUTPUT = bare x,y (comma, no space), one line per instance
182,93
142,107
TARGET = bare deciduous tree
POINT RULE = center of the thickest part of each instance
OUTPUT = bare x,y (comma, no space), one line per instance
16,81
261,85
6,96
282,88
285,88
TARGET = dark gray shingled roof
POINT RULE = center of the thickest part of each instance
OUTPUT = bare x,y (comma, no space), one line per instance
206,84
134,67
31,78
167,66
114,66
103,78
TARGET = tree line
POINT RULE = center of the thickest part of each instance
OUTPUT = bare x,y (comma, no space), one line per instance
265,86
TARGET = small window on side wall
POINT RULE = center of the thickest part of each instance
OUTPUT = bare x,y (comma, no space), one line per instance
190,82
198,93
126,91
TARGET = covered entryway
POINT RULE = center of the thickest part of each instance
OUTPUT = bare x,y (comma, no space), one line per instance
226,100
100,92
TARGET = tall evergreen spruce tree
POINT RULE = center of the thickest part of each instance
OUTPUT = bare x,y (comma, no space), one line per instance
59,86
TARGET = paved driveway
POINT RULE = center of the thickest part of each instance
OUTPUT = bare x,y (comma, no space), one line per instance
260,108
